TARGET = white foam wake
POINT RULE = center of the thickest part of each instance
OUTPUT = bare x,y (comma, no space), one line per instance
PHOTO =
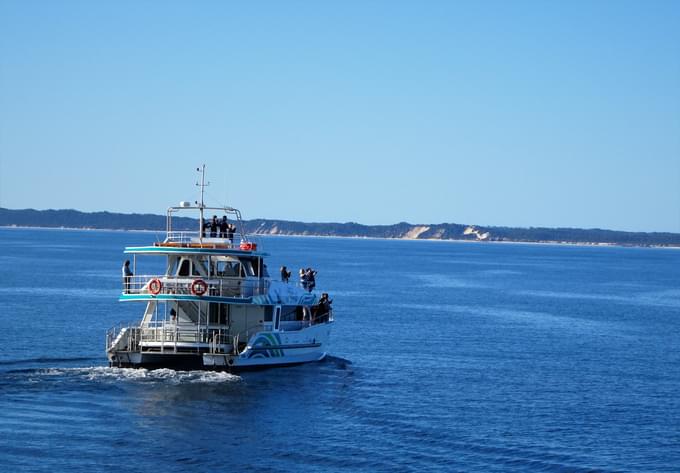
103,373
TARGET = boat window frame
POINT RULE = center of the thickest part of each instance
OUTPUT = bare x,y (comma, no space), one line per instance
233,263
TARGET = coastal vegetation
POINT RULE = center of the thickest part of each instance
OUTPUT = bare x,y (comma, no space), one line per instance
402,230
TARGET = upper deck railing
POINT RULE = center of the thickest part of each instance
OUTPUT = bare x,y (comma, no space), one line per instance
188,238
231,229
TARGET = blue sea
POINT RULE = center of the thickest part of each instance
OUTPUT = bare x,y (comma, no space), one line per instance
445,357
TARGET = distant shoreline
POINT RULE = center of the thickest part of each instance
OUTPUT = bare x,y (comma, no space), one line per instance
358,237
77,220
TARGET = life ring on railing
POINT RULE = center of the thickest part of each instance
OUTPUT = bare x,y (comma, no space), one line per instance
248,246
199,287
155,286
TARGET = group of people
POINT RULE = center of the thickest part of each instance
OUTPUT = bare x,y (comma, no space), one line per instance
307,277
219,228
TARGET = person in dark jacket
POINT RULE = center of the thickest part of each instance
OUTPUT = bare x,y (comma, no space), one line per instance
323,309
224,227
127,276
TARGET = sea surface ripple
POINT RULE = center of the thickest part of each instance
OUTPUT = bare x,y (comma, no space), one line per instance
444,357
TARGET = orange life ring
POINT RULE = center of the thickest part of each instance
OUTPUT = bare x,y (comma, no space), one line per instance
199,287
155,286
248,246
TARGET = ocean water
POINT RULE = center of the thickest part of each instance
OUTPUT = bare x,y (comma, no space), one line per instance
445,357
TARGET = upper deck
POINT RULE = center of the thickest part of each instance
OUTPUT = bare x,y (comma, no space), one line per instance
222,234
192,243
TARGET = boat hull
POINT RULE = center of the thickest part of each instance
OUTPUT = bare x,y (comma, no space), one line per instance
264,350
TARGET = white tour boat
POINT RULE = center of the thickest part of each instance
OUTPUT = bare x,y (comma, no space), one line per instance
215,307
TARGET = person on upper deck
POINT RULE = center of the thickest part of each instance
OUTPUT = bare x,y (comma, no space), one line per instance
231,229
214,225
127,276
224,227
311,280
285,274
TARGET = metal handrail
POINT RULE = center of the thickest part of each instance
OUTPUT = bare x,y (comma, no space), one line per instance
240,227
217,286
318,319
218,340
195,237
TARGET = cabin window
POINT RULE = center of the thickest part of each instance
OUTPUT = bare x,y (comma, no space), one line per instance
258,268
290,313
184,268
196,267
172,266
229,269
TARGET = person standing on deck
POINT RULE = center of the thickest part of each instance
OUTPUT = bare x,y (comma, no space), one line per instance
224,227
213,227
230,233
127,276
323,308
311,280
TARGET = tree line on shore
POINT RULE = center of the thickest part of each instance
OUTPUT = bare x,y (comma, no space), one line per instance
443,231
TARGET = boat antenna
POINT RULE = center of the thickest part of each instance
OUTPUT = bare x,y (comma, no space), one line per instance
201,206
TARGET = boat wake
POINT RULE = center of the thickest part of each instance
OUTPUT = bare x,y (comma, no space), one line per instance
104,374
165,375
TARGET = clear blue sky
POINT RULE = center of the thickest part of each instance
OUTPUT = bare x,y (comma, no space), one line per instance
518,113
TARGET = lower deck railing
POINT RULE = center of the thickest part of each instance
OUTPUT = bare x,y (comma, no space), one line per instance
167,336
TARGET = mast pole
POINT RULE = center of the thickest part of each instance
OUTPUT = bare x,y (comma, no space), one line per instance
201,205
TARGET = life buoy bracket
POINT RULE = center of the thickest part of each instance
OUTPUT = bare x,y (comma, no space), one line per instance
199,287
155,286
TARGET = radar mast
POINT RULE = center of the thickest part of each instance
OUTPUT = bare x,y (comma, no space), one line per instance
201,206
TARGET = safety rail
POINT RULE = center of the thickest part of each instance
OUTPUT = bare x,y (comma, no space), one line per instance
237,342
322,317
169,285
195,237
164,335
233,216
130,333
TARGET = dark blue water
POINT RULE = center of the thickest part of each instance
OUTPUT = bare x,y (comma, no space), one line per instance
446,357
